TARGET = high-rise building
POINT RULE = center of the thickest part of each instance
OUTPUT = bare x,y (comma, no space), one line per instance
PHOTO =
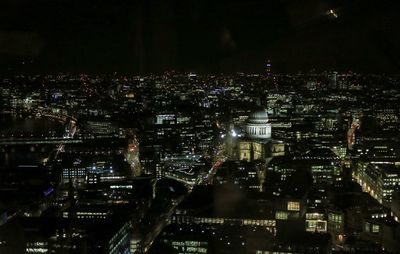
381,181
268,67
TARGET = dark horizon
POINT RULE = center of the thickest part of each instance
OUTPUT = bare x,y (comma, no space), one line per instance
207,37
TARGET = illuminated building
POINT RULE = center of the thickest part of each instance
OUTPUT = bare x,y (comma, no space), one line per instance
384,232
381,180
186,168
53,235
187,238
285,166
326,221
240,173
333,80
257,126
94,212
102,129
268,67
258,145
323,165
136,241
77,174
316,221
387,118
171,133
224,205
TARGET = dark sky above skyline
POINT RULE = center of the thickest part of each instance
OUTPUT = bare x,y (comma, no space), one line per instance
199,35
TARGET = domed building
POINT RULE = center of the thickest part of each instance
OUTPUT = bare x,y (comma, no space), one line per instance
258,144
257,126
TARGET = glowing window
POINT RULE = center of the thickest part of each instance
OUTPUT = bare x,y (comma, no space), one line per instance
281,215
293,206
375,228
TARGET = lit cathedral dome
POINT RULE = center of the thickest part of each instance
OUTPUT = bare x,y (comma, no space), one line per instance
259,116
258,126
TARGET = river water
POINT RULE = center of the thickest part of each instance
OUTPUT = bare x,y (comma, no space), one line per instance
25,127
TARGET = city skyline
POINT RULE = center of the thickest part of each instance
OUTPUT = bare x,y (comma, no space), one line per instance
200,163
199,127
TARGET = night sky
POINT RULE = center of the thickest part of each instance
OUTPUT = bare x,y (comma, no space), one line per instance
132,36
